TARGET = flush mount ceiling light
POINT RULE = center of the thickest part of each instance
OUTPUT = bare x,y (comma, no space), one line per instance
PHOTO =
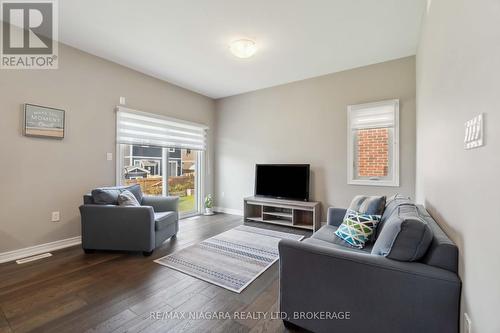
243,48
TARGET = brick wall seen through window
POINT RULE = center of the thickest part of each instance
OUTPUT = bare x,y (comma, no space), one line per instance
373,152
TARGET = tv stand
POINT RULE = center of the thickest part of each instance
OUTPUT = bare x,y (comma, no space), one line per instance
291,213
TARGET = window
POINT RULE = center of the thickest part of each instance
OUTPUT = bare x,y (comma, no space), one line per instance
164,156
373,143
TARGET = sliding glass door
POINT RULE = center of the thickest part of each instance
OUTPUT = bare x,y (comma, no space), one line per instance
163,171
183,166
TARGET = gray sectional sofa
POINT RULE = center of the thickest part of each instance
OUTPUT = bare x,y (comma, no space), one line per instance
108,226
418,292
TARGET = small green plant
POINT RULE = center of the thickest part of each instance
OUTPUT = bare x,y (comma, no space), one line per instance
209,201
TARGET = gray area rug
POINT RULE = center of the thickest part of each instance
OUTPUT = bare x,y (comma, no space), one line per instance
231,260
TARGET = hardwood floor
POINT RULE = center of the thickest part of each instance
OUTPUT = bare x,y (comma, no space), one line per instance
116,292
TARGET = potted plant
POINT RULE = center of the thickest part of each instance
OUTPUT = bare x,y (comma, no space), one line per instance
209,204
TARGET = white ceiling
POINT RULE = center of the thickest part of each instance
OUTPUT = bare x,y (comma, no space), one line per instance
186,41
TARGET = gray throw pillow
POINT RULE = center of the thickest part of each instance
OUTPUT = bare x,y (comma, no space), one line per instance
106,195
109,195
127,198
405,236
370,205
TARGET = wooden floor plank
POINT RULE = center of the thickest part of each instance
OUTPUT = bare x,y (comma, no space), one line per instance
117,291
191,305
4,324
114,322
35,319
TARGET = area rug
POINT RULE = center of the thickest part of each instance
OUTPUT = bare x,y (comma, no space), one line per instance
231,260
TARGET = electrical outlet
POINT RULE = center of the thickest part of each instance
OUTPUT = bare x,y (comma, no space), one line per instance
467,323
222,194
56,216
109,156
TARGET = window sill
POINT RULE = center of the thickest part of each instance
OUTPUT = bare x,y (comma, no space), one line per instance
366,182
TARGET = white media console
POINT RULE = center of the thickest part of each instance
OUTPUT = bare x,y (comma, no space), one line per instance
291,213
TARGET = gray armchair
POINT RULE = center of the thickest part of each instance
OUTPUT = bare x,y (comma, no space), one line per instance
107,226
376,293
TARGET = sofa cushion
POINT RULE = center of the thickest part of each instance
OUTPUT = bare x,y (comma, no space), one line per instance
357,228
371,205
405,236
127,198
393,202
442,252
326,234
319,242
165,219
391,207
109,195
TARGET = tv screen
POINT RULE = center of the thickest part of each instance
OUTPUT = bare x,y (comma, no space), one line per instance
284,181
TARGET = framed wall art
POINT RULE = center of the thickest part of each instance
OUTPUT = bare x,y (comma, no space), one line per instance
41,121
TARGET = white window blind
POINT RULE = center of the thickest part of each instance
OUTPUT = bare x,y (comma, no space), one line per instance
141,128
375,116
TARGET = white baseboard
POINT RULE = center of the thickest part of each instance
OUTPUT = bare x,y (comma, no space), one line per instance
228,211
38,249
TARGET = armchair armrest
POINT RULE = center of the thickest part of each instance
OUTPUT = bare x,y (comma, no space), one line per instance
316,278
110,227
162,204
335,216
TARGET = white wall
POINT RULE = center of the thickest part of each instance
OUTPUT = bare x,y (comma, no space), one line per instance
458,77
43,175
306,122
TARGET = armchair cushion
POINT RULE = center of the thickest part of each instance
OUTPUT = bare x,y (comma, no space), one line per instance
109,195
162,204
405,236
127,198
164,219
105,196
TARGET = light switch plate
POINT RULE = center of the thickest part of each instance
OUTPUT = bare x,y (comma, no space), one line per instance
122,100
109,156
474,129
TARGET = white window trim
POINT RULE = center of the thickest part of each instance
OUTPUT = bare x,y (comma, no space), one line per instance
394,182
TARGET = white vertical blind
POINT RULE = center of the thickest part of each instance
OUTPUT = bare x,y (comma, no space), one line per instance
141,128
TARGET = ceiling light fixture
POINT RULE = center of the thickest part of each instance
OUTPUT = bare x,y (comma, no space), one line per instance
243,48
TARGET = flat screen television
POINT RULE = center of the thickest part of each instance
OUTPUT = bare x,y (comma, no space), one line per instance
283,181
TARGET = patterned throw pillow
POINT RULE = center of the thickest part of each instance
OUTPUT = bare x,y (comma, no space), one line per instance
127,198
357,228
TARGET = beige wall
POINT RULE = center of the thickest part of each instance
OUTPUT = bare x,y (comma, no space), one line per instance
42,175
458,77
306,122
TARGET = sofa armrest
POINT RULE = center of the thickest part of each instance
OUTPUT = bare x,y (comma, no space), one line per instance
335,216
316,278
162,204
110,227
